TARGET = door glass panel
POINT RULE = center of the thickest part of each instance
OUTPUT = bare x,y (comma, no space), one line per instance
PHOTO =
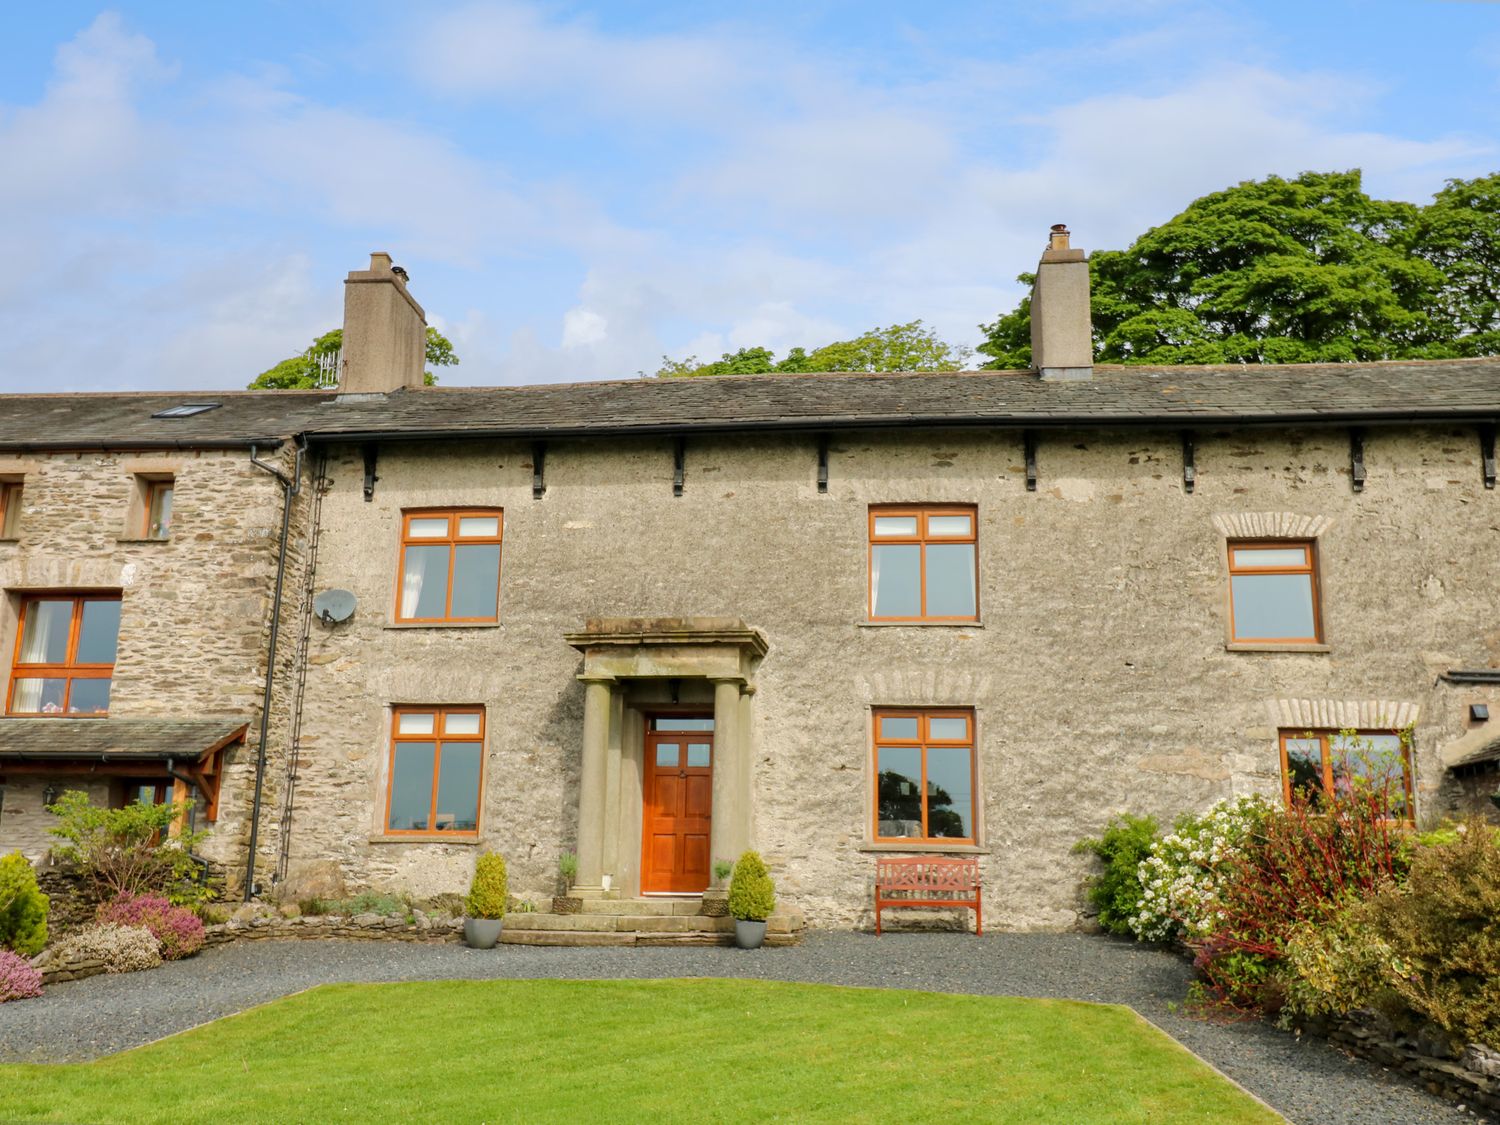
677,722
899,726
414,722
948,729
950,580
99,632
89,697
1304,764
478,526
698,755
45,639
1272,606
1270,556
899,808
424,586
950,525
950,796
430,528
896,580
476,581
461,724
36,696
667,755
458,788
411,785
895,525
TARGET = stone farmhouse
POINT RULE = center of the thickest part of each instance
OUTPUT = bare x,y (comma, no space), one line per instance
370,629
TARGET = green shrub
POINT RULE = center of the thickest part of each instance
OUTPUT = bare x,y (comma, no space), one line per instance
1336,966
490,891
23,907
567,870
1180,877
366,902
1116,892
752,895
129,851
1443,928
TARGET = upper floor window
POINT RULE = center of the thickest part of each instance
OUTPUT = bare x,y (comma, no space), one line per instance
437,756
1273,593
924,776
450,566
1332,761
158,509
65,655
10,508
923,564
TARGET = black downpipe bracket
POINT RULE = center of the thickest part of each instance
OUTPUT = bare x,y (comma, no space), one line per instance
290,487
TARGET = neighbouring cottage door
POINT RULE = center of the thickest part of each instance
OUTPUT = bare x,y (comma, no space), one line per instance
678,804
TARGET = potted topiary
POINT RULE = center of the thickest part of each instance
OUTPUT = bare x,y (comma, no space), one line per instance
752,898
716,898
484,909
567,875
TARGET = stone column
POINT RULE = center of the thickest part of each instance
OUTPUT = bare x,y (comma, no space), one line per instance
731,803
593,779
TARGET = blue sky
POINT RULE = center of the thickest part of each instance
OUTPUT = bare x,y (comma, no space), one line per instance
577,189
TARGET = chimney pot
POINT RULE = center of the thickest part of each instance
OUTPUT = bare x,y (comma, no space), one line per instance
1058,239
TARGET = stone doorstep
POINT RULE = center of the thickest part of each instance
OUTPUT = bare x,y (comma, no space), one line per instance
649,923
576,937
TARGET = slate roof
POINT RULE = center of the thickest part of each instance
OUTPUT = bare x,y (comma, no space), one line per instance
105,740
1115,396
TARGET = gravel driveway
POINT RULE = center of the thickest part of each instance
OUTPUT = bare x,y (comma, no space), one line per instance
1307,1080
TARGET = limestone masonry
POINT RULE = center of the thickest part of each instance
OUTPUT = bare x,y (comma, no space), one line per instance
981,622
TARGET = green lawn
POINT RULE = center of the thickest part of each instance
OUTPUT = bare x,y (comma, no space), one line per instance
681,1050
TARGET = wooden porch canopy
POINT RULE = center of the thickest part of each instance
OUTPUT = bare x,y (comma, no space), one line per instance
184,749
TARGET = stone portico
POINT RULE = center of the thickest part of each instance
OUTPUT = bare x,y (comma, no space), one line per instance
634,668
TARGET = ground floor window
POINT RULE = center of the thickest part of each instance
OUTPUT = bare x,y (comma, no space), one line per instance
1334,761
924,775
437,760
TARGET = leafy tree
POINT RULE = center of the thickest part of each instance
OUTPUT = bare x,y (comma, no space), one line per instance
901,347
1293,271
300,372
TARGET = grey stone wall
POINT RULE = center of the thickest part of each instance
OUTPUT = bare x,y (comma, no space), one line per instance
195,608
1098,672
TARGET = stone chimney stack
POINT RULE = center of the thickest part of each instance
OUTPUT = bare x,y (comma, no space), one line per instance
385,331
1062,341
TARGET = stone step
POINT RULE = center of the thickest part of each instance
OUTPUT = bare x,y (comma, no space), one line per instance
617,923
639,906
509,936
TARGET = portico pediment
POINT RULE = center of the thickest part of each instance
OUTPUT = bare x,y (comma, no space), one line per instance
668,647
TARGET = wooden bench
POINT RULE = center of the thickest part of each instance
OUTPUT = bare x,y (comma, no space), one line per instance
919,881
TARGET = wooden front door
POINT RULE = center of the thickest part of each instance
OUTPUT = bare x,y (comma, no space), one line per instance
678,807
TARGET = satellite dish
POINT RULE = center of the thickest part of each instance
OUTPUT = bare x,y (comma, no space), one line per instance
334,607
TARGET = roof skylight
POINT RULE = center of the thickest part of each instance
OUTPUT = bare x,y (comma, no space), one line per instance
187,409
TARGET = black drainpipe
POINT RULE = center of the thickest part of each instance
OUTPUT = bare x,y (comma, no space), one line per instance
290,486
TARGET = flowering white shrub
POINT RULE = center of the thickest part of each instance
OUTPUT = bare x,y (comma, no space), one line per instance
123,949
1179,878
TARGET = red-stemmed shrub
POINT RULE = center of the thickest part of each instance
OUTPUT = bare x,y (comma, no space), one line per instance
18,980
1304,864
178,930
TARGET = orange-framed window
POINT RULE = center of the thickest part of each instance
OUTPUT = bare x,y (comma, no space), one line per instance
10,508
1273,592
158,509
65,655
924,776
1331,761
436,768
450,565
924,563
